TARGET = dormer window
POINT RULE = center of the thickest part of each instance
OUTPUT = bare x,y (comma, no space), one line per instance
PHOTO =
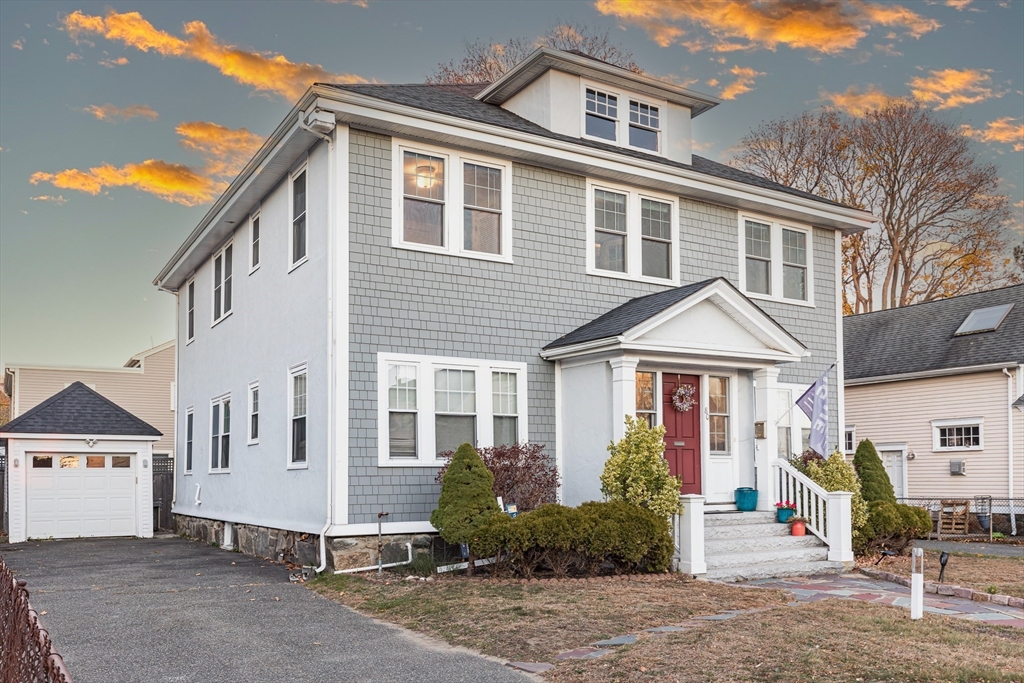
643,126
602,114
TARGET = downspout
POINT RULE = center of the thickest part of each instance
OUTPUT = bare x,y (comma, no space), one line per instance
177,388
1009,431
330,347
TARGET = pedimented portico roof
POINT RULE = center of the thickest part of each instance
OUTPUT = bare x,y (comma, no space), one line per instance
710,318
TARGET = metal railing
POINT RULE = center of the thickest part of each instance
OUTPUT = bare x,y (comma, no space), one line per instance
986,515
28,655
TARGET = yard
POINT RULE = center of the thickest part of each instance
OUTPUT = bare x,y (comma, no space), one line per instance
986,573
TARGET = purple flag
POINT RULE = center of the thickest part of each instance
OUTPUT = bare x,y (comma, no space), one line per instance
814,403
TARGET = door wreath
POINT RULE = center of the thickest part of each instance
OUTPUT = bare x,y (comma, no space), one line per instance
683,398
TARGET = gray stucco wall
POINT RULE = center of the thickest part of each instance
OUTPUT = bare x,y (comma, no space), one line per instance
278,319
412,302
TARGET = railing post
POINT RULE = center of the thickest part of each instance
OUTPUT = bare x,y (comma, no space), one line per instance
840,526
690,536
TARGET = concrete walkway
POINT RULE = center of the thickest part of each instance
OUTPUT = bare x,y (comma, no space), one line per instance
162,610
997,549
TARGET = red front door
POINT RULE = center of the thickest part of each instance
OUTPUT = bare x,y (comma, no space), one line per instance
682,432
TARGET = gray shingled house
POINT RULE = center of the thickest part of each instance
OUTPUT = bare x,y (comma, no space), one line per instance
404,268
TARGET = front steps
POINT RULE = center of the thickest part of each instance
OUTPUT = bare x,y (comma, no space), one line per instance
740,546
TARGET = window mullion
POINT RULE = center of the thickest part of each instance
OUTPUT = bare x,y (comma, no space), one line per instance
634,239
484,406
425,403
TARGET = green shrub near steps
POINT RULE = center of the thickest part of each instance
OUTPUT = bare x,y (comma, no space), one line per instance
874,480
836,474
890,525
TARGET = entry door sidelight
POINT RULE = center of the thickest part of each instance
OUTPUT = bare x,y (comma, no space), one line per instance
682,432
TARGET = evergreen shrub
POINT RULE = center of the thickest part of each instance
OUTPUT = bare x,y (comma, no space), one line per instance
636,471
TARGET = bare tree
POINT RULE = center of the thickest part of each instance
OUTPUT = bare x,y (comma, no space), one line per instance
485,62
941,221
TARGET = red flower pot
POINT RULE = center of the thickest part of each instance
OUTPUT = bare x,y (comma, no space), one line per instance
798,529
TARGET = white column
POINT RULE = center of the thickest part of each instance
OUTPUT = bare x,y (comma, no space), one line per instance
690,536
623,393
840,526
765,450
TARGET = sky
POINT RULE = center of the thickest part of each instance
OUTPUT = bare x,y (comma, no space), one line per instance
121,122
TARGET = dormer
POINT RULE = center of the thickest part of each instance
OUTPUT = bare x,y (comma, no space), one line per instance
581,97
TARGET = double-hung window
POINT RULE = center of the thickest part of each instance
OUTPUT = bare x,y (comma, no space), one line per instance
481,223
430,405
220,433
602,114
784,424
222,267
646,403
191,311
254,413
632,234
189,427
298,232
718,414
850,440
775,260
423,199
958,435
297,417
254,243
644,124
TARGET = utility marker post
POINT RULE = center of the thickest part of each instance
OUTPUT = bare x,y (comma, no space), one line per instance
916,583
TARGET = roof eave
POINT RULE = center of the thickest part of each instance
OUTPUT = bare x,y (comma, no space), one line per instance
63,436
926,374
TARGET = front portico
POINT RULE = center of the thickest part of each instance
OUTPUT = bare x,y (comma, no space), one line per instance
707,340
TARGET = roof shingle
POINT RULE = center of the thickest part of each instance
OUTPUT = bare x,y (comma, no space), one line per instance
79,410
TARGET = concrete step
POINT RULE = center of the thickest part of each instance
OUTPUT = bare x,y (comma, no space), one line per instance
769,571
766,557
738,518
747,545
737,531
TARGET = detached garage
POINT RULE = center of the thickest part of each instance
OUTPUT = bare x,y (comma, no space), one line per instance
79,466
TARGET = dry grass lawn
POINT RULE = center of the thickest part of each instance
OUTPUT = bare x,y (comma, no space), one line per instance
535,621
829,641
1003,575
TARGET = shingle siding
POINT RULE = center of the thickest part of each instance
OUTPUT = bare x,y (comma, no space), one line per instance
412,302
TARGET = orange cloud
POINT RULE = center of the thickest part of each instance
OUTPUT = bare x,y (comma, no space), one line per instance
226,150
74,57
172,182
19,44
1006,130
950,88
744,82
959,5
109,112
111,63
857,102
264,72
828,26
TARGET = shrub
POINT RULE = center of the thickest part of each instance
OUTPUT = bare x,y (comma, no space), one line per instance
523,474
874,481
836,474
892,526
637,472
804,460
466,498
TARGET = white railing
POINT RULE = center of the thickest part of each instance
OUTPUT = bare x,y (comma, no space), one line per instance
827,513
688,533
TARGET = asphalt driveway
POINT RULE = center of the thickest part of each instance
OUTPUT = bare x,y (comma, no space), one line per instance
150,610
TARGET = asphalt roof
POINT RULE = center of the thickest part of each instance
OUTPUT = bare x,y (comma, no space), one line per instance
458,100
920,338
79,410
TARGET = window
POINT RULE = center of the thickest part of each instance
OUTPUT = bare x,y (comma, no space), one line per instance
189,426
983,319
775,260
643,126
254,250
96,462
297,420
785,428
505,402
476,223
718,418
222,284
69,462
632,235
42,462
191,315
429,405
646,406
220,433
602,114
957,435
121,461
298,234
254,413
850,440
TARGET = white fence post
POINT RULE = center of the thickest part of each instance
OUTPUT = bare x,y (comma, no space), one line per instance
840,526
690,536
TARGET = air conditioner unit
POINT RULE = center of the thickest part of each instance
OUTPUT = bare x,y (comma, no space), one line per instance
958,467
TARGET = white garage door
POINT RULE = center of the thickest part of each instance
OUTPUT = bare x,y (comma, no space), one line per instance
72,495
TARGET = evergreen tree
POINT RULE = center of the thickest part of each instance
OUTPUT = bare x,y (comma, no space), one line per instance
874,481
466,498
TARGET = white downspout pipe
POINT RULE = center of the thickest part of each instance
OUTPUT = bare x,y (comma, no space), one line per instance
1010,397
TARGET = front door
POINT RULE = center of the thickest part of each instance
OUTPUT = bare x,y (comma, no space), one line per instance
682,431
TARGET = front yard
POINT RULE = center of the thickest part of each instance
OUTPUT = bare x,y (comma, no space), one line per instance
985,573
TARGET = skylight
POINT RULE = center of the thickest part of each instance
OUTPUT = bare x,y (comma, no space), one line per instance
983,319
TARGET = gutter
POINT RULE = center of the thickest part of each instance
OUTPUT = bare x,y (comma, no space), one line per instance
925,374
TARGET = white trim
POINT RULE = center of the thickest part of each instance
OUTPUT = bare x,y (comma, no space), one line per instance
219,400
925,374
425,436
606,90
633,234
224,312
370,529
299,170
452,229
340,371
78,437
978,422
776,269
852,430
901,447
840,348
253,387
188,467
293,372
190,309
253,218
559,432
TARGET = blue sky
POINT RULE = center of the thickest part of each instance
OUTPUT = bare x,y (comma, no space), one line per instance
128,146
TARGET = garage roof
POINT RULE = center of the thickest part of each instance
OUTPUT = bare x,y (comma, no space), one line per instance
79,410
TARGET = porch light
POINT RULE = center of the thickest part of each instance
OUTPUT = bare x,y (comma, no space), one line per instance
425,176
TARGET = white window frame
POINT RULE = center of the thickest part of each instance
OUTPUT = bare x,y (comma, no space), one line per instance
253,409
425,366
634,236
302,168
662,108
255,240
622,120
454,201
190,311
187,460
293,372
775,271
219,401
729,415
798,421
619,99
213,283
850,430
978,422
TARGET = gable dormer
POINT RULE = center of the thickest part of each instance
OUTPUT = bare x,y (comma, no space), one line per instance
576,95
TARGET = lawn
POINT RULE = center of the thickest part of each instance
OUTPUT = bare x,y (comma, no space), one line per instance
987,573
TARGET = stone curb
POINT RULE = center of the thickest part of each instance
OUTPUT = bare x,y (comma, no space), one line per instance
946,589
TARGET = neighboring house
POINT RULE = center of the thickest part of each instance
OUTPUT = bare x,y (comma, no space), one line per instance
403,268
933,387
5,407
144,387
